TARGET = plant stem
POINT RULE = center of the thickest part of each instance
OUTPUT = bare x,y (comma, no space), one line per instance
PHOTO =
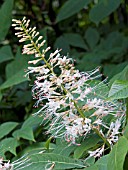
78,109
101,136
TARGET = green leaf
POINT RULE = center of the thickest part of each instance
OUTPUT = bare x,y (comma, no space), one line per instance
102,163
47,160
119,90
117,155
63,148
90,161
9,144
14,80
6,128
89,61
22,97
15,71
5,53
111,70
75,40
38,147
62,43
120,76
92,37
70,8
126,131
32,121
102,9
26,131
5,18
85,145
47,143
93,167
20,63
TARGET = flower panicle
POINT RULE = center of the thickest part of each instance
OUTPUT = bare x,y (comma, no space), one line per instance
74,104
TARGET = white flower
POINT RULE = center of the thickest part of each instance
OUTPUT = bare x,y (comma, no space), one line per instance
97,153
94,103
1,167
112,135
78,121
69,100
7,165
59,81
53,54
88,121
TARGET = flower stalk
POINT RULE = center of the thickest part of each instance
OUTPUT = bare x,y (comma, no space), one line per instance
47,64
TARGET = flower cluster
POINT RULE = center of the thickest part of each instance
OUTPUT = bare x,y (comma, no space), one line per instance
70,100
5,165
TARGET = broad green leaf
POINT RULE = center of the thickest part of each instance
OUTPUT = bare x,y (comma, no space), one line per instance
89,61
93,167
38,147
119,90
70,8
117,155
63,148
20,63
5,53
111,70
85,145
102,163
32,121
15,71
92,37
48,160
22,97
14,80
90,161
126,131
75,40
89,164
62,43
9,144
102,9
26,131
6,128
120,76
5,17
114,39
